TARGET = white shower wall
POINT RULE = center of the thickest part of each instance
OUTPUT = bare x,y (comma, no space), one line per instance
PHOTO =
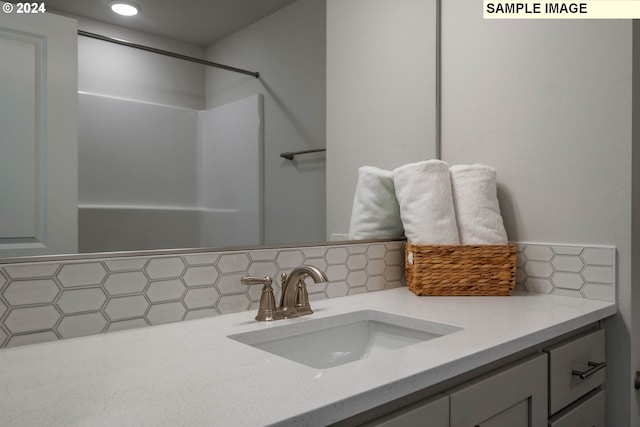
230,176
155,176
136,153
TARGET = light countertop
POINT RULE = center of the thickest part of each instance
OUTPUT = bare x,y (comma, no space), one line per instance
191,374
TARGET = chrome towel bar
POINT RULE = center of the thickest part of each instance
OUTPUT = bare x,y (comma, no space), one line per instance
289,155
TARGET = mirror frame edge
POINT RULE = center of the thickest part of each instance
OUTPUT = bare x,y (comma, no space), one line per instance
182,251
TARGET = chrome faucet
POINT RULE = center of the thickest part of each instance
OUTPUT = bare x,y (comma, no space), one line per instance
294,300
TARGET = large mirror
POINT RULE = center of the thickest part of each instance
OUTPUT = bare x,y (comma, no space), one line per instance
175,154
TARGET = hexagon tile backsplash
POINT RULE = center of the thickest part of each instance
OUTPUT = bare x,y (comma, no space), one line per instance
48,301
575,271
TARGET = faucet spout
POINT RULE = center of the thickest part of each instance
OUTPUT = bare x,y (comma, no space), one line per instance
294,300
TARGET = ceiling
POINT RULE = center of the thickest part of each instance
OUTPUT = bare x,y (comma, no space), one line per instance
199,22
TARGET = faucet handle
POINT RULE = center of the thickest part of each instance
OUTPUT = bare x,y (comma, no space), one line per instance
267,300
251,280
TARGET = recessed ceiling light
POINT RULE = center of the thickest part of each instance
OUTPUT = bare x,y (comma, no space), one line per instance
125,8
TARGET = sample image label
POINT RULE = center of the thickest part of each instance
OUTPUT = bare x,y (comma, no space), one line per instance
587,9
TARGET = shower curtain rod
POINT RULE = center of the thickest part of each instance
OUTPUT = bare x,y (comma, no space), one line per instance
167,53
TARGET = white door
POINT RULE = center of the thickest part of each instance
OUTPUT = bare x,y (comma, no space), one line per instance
38,133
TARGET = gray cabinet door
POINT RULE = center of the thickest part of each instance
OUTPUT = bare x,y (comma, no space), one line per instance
513,396
433,412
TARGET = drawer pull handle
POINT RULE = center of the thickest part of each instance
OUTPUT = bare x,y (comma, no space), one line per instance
595,367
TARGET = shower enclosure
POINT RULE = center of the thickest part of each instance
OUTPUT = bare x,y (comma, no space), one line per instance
153,176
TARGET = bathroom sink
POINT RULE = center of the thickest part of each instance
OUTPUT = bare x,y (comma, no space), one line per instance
336,340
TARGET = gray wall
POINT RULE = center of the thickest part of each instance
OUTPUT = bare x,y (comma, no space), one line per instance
288,49
548,104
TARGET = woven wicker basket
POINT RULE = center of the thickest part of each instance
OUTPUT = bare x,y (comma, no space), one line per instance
461,269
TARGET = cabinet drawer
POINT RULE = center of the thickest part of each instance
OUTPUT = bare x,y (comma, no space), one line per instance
588,412
586,354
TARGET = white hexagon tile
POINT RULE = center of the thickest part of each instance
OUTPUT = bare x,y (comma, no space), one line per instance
577,271
47,301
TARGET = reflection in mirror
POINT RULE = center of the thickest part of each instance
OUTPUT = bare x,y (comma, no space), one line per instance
173,154
381,93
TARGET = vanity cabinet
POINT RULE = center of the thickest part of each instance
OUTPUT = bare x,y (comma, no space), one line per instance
514,396
542,389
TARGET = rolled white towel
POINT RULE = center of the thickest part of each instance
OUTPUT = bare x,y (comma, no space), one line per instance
475,197
375,213
423,191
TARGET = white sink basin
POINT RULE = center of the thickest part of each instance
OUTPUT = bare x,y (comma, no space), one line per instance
336,340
